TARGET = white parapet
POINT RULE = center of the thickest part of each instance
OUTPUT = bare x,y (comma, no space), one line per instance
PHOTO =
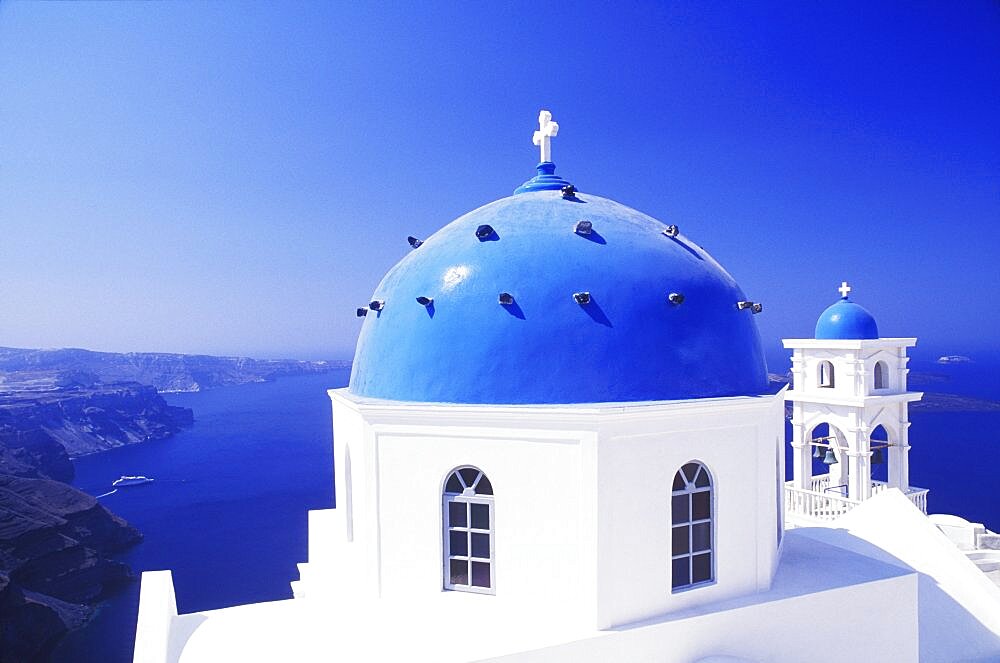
959,531
157,611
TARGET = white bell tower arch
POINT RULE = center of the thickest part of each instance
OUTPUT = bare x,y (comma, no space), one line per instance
850,406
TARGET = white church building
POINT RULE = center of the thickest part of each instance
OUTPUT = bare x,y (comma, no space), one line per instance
558,444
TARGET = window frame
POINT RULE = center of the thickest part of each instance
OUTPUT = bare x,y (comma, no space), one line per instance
467,497
880,370
826,375
689,491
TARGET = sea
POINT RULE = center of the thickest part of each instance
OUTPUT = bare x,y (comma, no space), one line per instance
227,512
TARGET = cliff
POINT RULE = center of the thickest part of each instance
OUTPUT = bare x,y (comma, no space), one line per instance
83,420
47,369
58,404
54,539
54,542
33,454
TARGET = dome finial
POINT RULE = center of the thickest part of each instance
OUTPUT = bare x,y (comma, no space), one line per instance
547,129
546,179
844,289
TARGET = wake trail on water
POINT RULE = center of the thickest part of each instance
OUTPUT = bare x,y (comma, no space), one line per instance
112,492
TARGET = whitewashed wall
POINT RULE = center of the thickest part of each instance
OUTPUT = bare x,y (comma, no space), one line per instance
582,498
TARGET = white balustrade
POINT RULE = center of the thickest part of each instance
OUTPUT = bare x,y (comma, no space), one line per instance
820,483
823,506
919,498
824,502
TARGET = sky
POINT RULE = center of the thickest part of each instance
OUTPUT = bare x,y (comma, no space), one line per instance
236,178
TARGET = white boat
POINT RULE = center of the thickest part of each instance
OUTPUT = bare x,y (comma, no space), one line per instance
953,359
131,481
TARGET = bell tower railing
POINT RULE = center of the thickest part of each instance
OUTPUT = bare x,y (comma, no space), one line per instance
821,501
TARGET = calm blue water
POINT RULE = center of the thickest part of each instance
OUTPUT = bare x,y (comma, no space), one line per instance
228,511
957,454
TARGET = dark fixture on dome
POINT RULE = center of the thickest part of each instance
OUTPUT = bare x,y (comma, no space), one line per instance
671,231
377,304
484,232
753,306
506,299
425,301
675,298
414,242
582,297
362,312
568,191
583,228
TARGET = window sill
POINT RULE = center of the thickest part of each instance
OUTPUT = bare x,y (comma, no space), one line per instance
697,585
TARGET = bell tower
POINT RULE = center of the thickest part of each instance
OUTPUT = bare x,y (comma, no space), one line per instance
850,408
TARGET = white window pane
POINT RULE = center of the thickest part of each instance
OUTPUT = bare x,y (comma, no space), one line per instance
679,506
701,568
680,572
459,572
701,537
481,545
459,542
680,540
457,514
480,516
480,574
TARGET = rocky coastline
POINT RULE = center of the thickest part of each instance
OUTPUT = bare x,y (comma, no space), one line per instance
84,420
56,542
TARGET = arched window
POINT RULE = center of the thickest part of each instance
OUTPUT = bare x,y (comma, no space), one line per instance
880,375
468,531
692,531
879,445
825,374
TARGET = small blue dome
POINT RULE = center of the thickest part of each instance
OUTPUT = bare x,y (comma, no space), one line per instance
846,320
503,317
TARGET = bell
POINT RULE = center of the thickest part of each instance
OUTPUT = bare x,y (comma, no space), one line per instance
830,458
817,451
877,457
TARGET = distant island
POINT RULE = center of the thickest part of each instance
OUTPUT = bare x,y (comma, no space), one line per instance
35,370
59,404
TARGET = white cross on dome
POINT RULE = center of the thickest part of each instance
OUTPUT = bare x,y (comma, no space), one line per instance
844,289
543,137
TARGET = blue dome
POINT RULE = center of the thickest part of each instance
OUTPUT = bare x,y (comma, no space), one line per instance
627,343
846,320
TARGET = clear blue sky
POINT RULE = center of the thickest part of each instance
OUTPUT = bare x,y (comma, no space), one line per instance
235,178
